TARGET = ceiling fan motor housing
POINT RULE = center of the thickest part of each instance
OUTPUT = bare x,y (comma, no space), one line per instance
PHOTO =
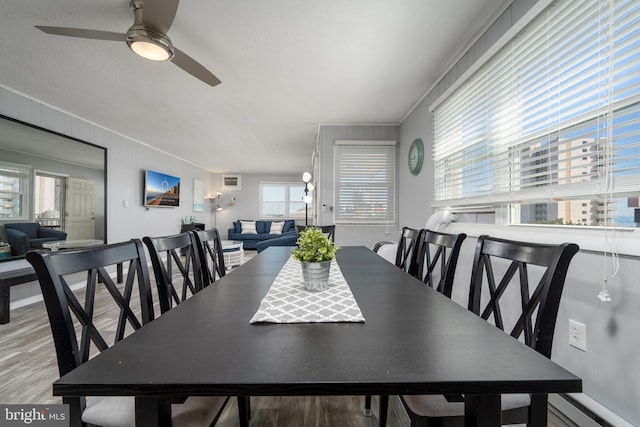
147,42
151,44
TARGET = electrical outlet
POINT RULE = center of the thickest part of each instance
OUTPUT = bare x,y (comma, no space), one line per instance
578,335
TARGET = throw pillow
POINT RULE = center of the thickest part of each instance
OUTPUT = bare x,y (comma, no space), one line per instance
262,227
289,225
248,227
276,227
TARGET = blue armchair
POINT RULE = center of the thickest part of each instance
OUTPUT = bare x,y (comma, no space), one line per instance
23,236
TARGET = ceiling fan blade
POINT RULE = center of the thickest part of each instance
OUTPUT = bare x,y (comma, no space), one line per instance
194,68
83,33
159,14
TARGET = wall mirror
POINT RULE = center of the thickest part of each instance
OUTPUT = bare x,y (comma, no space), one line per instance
53,179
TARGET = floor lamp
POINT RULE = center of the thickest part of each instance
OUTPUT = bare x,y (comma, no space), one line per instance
215,208
307,199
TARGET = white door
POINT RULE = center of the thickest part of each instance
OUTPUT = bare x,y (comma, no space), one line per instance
80,212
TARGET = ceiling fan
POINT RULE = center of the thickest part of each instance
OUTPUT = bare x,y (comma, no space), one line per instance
147,37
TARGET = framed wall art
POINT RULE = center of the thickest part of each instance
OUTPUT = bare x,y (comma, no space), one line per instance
198,195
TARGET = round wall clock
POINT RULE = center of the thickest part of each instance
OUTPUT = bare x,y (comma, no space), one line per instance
416,156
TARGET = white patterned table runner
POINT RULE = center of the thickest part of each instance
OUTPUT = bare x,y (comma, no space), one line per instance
289,302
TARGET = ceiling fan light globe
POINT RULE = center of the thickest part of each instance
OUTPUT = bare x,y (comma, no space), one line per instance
149,51
149,44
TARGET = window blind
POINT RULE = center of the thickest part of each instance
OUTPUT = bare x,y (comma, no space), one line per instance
554,114
365,183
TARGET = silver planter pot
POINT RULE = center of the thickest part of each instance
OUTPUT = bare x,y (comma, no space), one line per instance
316,275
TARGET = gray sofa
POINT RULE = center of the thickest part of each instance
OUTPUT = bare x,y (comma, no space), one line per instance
263,232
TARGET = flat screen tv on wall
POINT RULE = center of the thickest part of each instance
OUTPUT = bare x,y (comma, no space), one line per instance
161,189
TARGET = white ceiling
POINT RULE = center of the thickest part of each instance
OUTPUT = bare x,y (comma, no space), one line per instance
286,67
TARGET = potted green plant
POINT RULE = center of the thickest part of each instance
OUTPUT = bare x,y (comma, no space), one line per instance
315,252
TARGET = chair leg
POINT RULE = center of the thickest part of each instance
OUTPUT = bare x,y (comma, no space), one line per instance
367,405
383,410
416,420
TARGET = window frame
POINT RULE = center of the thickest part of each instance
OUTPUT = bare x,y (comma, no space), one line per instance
50,222
501,201
287,202
24,174
387,148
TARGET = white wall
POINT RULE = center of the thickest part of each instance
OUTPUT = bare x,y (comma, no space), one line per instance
366,235
247,199
126,162
416,192
610,368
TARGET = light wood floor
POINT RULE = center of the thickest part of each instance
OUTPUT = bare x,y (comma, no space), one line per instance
28,367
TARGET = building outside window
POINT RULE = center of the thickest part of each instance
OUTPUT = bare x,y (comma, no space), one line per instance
14,191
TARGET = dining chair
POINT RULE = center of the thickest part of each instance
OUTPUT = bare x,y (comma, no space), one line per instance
81,330
502,272
167,251
434,253
183,251
328,230
377,245
406,245
209,249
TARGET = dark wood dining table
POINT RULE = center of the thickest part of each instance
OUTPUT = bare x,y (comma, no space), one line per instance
413,341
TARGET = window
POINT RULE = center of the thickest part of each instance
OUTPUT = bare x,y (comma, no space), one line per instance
14,190
282,200
49,200
365,182
552,119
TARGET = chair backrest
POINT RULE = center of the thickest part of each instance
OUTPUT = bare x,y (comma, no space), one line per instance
174,286
436,254
406,245
209,248
56,271
328,230
542,300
